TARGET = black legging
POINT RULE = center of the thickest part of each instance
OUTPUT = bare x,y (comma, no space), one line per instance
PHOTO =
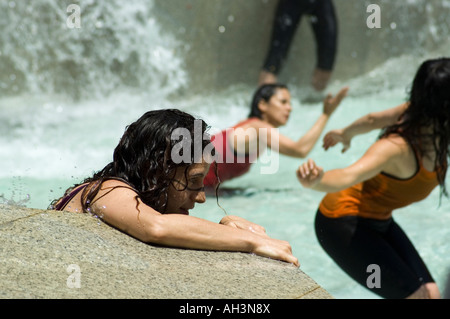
287,18
354,243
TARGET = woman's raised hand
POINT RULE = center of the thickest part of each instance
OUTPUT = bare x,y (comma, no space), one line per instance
334,137
309,174
330,103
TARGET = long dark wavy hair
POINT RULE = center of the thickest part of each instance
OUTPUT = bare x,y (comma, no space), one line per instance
263,93
143,160
429,107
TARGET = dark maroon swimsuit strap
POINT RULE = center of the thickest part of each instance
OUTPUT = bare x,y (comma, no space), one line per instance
62,204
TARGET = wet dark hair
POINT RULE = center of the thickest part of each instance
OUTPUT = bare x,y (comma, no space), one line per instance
143,160
264,92
429,106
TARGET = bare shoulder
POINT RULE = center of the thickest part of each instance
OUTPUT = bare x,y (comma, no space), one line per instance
115,183
249,131
400,159
257,123
393,144
115,199
114,190
382,153
388,150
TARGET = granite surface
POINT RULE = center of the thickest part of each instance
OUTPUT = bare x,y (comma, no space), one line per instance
59,255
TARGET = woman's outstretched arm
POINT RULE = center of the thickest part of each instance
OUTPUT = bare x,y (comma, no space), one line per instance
383,155
365,124
119,209
302,147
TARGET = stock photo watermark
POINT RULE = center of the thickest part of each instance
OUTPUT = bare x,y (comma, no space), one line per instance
374,19
74,279
73,21
374,279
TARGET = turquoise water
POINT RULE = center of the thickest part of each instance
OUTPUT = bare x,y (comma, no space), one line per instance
45,158
67,95
287,210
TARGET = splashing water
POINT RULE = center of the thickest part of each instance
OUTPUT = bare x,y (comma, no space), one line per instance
12,202
15,186
117,46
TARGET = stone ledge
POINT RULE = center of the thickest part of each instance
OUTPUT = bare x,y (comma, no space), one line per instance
39,245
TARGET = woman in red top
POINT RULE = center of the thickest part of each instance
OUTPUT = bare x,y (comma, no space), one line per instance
354,222
237,148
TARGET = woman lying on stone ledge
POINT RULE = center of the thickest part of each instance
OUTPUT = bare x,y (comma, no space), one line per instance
155,178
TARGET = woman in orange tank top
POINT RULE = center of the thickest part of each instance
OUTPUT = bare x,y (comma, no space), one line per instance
237,148
354,222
